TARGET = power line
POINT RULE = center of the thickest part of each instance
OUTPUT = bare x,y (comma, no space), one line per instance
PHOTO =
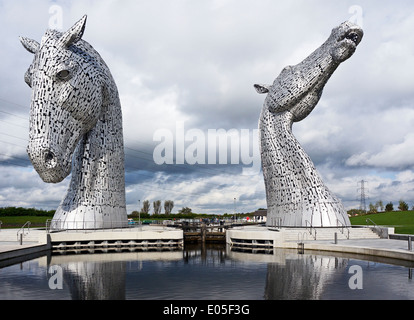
9,135
212,171
25,107
14,124
12,114
204,167
148,186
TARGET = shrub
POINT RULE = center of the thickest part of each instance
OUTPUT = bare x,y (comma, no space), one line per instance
389,207
403,206
19,211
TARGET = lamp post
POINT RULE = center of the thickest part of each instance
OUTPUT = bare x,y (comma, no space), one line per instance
235,209
139,212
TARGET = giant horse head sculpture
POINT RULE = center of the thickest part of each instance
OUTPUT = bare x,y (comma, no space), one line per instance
295,193
75,114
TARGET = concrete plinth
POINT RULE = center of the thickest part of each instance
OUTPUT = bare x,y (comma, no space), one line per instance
354,240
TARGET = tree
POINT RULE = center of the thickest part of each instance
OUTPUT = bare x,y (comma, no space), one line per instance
157,206
372,208
380,205
185,210
389,207
19,211
136,214
403,206
168,205
133,214
145,207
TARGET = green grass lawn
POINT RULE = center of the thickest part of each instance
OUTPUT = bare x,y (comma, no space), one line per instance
18,221
402,221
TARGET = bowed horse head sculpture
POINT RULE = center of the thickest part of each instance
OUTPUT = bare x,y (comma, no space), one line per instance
75,114
296,195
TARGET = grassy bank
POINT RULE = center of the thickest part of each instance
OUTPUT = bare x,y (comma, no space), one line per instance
17,222
402,221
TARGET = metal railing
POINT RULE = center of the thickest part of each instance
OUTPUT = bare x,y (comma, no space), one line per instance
341,226
21,233
302,237
276,222
379,230
310,229
61,225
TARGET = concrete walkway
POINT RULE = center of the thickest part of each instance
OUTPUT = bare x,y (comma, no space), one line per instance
33,243
375,248
10,251
388,244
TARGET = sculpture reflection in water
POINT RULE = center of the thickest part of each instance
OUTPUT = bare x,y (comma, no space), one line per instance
75,113
303,277
296,195
102,275
290,275
88,280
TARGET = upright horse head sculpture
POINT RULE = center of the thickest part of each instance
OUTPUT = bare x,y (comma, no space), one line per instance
75,114
296,195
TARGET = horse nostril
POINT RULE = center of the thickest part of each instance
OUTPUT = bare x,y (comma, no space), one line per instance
50,160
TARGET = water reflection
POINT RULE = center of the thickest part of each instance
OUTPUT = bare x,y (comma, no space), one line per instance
205,272
312,276
211,254
88,280
102,276
297,276
303,278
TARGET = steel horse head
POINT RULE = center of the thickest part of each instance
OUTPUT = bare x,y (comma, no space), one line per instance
75,114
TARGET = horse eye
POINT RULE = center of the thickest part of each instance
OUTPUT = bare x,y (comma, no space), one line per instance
63,75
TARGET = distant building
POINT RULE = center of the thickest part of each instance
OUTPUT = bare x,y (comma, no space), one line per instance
260,215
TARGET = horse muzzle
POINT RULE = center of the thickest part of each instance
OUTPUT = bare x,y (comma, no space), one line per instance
48,162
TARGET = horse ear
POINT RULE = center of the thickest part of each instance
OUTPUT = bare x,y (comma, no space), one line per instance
30,45
73,34
262,88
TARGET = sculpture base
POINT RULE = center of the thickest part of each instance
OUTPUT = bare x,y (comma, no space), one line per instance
89,218
322,214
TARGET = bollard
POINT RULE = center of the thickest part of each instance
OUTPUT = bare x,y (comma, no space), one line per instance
301,248
335,238
409,243
21,238
203,233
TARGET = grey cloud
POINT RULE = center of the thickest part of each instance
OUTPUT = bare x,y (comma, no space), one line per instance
197,61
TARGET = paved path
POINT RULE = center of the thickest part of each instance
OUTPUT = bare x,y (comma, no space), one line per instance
382,249
388,244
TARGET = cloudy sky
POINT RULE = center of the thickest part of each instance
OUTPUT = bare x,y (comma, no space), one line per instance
185,68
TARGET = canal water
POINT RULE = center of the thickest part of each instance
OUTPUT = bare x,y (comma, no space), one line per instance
210,272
